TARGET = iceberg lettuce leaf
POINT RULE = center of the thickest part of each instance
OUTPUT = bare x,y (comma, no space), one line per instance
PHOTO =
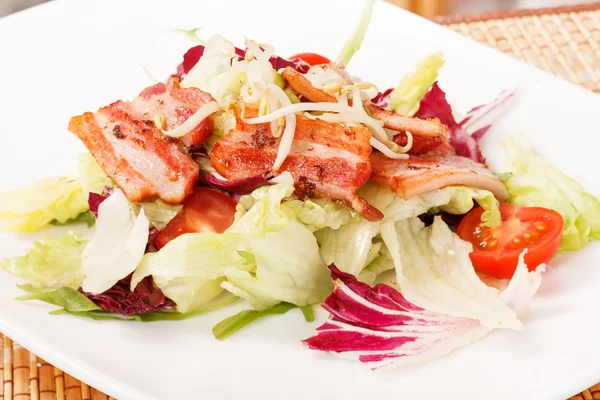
50,263
48,200
91,176
533,182
406,98
434,272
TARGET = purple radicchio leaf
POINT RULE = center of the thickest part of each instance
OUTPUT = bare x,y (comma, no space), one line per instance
190,58
193,55
382,99
152,236
94,199
121,300
435,105
377,326
465,135
480,119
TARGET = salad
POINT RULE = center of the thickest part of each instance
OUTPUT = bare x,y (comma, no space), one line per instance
290,183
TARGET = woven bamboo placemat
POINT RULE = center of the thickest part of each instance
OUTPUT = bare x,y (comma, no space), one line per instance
564,41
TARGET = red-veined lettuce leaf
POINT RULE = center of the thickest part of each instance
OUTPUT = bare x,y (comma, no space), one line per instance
193,55
94,199
121,300
377,326
382,99
435,105
464,135
480,119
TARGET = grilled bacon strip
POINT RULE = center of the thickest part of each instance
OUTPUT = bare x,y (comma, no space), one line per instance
176,105
421,174
134,152
304,87
427,134
326,160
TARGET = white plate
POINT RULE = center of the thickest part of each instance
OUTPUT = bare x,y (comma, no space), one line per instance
70,56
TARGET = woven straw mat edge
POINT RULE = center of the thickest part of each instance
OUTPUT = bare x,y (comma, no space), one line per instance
563,41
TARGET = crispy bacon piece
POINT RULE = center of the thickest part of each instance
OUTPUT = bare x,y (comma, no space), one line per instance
326,160
176,105
142,161
420,174
443,150
427,133
304,87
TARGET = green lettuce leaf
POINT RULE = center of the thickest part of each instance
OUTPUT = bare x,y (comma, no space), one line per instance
531,181
452,199
218,72
382,262
51,263
307,311
406,98
355,40
318,213
189,269
69,299
48,200
223,123
236,322
86,217
242,259
158,212
293,273
355,247
261,211
349,246
91,176
271,207
434,271
192,34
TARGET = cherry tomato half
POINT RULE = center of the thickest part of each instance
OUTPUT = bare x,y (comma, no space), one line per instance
311,58
496,250
205,210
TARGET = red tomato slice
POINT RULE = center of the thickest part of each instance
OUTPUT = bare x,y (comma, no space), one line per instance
311,58
205,210
496,250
